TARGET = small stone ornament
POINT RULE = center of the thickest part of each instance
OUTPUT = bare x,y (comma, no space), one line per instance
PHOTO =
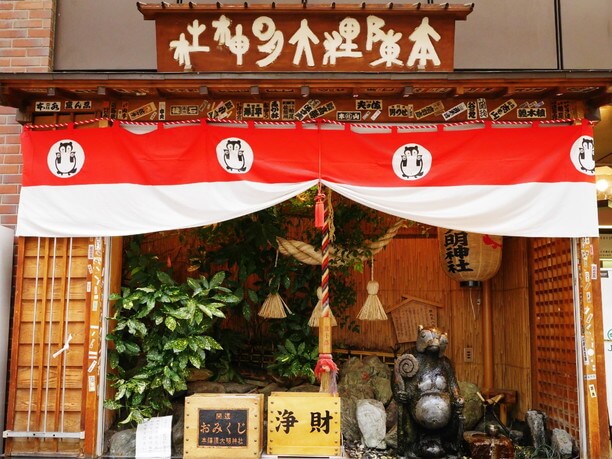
430,422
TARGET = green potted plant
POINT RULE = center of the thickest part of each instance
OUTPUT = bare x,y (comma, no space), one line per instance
294,364
159,333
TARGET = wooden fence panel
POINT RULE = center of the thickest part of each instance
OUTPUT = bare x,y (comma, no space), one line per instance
52,403
553,338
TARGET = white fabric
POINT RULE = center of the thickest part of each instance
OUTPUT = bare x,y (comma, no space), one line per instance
143,209
530,209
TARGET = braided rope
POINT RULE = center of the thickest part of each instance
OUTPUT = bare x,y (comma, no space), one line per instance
295,123
325,262
307,254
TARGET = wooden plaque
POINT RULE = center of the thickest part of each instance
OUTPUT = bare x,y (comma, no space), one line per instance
290,38
304,424
409,314
223,426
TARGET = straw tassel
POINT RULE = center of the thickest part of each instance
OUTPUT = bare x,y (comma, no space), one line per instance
274,307
372,308
318,309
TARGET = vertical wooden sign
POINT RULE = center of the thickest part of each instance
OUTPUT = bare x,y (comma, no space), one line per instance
91,356
586,270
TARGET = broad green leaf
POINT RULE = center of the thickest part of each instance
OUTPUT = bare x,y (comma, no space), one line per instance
177,345
217,313
167,385
290,346
246,311
136,326
170,323
128,419
181,313
113,359
251,293
112,405
164,278
195,360
171,374
183,360
194,284
206,310
217,279
121,390
131,348
204,283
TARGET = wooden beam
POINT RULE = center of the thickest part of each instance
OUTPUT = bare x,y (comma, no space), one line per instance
487,334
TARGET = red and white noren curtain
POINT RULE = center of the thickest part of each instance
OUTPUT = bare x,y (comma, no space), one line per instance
508,180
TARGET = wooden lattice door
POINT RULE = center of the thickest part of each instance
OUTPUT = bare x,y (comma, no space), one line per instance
54,388
555,381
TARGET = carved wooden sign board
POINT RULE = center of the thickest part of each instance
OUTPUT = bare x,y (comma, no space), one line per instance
409,314
292,38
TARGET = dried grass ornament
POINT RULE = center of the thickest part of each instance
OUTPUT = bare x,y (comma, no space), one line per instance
318,309
372,308
274,307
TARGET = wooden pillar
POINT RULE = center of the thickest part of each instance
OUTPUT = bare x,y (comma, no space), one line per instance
591,336
487,334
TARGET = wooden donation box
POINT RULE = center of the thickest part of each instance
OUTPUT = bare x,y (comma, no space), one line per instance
304,424
224,426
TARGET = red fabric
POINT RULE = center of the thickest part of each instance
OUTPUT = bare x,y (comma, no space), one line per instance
181,155
503,180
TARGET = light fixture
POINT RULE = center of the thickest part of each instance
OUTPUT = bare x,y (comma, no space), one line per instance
254,90
305,91
101,91
203,90
602,185
592,112
50,91
408,90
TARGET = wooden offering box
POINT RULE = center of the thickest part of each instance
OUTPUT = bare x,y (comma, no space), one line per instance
304,424
224,426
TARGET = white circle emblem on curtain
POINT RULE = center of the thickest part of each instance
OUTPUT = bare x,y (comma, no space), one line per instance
65,158
235,155
582,155
411,161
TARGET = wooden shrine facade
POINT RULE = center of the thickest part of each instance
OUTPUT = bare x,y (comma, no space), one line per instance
201,78
358,98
